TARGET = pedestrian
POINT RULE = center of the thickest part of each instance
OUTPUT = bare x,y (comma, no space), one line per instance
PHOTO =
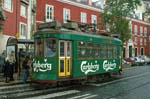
7,70
2,61
12,61
25,69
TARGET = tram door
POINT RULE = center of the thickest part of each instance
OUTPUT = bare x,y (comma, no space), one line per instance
65,57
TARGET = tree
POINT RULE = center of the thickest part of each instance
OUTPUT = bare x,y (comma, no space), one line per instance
146,14
115,16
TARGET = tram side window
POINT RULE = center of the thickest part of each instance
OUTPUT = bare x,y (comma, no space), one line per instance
109,56
103,51
96,51
62,48
82,49
114,52
50,47
90,50
38,47
118,52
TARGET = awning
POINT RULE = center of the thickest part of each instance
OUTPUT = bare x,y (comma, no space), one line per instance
14,41
25,41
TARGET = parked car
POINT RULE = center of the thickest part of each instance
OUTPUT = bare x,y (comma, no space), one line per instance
146,59
131,61
139,60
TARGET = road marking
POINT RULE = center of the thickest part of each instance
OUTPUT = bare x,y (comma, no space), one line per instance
136,76
92,96
77,97
57,94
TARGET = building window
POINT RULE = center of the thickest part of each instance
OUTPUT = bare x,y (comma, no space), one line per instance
130,26
145,41
23,10
145,31
66,15
8,5
23,30
141,31
135,30
49,13
136,41
83,17
94,20
141,41
142,51
136,52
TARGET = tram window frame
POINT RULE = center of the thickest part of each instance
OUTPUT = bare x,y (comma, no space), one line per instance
50,49
38,47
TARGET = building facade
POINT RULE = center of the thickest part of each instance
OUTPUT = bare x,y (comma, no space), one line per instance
63,10
16,23
139,43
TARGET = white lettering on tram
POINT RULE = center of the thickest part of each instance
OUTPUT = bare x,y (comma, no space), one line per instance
109,65
87,67
41,67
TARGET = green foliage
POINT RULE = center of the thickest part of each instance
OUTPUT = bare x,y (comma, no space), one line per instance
147,13
115,14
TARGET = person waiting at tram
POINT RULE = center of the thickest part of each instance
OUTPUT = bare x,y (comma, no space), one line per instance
12,61
25,69
49,51
50,47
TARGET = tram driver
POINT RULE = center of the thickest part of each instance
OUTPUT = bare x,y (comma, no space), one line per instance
50,47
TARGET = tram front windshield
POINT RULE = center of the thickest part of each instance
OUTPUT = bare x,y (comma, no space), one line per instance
45,47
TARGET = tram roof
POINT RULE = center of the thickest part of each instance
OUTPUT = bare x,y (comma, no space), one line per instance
74,32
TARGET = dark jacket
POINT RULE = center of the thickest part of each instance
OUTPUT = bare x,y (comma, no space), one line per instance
25,64
7,69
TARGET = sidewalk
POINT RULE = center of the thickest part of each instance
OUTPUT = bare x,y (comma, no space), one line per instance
17,80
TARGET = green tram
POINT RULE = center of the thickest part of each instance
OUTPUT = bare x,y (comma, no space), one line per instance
65,54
